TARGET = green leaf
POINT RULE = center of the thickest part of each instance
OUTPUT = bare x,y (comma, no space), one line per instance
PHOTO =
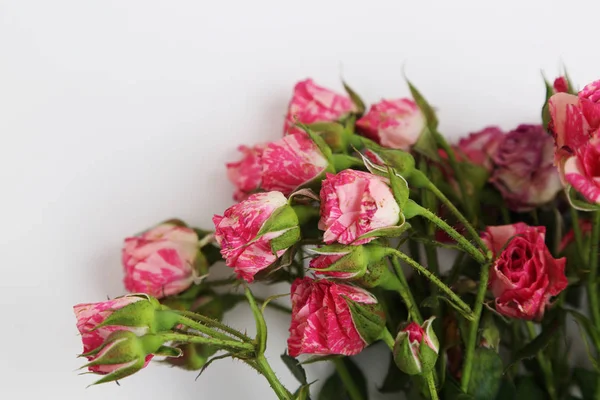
587,381
527,389
487,373
426,109
588,327
295,368
358,102
538,344
395,380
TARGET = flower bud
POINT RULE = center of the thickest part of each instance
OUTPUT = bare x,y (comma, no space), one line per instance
416,348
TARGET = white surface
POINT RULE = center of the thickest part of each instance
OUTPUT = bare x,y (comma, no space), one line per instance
117,114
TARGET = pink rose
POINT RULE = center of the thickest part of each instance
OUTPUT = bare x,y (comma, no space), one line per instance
160,262
247,243
396,124
524,275
291,162
561,85
322,320
90,315
582,171
524,172
479,147
354,203
311,103
246,174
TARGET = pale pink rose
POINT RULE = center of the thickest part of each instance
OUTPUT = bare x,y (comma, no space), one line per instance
396,124
237,232
246,174
561,85
479,147
291,162
321,318
160,262
312,103
90,315
354,203
583,171
524,275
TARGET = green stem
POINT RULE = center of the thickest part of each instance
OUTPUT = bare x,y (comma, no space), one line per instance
404,291
214,323
544,363
473,328
387,337
228,344
348,381
431,385
456,301
190,323
460,239
592,282
264,367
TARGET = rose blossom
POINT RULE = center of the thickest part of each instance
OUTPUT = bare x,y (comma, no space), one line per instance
246,174
312,103
524,171
90,315
479,147
524,275
396,124
290,162
237,232
160,262
321,318
354,203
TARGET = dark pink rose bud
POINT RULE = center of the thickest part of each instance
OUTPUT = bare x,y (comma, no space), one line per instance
396,124
246,174
524,172
312,103
561,85
332,318
479,147
524,275
416,348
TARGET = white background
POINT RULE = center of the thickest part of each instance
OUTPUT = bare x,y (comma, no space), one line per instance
115,115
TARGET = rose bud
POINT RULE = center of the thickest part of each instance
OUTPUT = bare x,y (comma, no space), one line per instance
524,172
561,85
291,162
524,275
246,174
416,348
478,148
332,318
311,103
354,203
253,234
396,124
161,261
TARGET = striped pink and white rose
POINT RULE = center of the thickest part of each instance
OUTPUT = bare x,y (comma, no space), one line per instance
246,173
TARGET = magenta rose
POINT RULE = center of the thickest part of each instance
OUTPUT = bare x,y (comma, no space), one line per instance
524,275
312,103
354,203
90,315
323,321
561,85
160,262
523,168
396,124
291,162
246,174
479,147
250,239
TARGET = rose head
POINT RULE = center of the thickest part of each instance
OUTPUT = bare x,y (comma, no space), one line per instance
253,234
354,203
312,103
246,174
160,262
524,275
561,85
291,162
524,172
332,318
479,147
396,124
416,348
582,171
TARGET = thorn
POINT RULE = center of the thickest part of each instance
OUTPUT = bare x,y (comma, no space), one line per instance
118,384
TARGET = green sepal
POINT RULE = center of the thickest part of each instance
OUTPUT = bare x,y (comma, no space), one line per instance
427,356
319,142
332,133
368,319
404,358
578,204
399,188
353,260
427,145
282,219
167,351
261,325
125,370
345,161
426,109
285,240
545,107
194,356
412,209
356,99
141,314
388,231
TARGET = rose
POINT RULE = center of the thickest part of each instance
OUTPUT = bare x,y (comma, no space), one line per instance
160,262
246,174
524,275
312,103
291,162
332,318
582,171
479,147
561,85
354,203
253,234
523,171
91,315
416,348
396,124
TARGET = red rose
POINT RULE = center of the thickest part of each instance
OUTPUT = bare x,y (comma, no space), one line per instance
524,275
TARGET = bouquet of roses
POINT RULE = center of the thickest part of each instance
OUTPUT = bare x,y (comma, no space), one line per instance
359,210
